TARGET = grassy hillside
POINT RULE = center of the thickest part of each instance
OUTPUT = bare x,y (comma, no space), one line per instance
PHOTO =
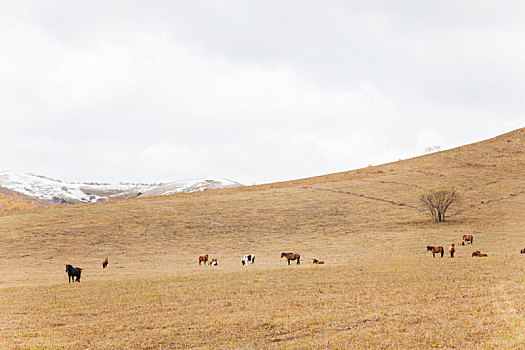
378,288
14,202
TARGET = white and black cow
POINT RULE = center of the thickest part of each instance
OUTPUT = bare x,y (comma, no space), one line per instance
248,258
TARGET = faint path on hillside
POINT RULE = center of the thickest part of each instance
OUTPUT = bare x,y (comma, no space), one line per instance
429,173
470,188
473,187
392,182
484,202
458,212
360,195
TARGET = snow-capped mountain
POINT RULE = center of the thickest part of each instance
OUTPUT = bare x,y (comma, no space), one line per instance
62,192
204,183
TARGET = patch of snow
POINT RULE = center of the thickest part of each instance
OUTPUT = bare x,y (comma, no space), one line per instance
204,183
58,191
63,192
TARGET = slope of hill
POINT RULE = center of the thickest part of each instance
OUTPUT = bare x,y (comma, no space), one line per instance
13,202
69,193
379,287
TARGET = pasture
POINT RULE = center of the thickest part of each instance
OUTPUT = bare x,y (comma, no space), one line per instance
378,288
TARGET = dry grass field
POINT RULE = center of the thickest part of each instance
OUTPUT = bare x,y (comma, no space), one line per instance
14,202
379,287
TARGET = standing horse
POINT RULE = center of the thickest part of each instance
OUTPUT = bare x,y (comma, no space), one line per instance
204,259
451,250
248,258
435,250
105,263
73,272
291,256
468,239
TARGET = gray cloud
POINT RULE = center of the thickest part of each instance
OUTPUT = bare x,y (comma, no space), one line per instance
257,92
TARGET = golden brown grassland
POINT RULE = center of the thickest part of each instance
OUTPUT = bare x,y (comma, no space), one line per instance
13,202
378,288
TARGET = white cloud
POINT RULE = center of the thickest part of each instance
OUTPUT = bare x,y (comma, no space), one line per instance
257,92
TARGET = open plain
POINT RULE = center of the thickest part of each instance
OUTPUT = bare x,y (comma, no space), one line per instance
379,288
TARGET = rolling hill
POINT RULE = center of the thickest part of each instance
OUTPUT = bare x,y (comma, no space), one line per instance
11,202
379,287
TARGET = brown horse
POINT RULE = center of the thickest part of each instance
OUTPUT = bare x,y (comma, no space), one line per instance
318,262
522,251
105,263
479,254
292,256
469,239
435,250
204,259
451,250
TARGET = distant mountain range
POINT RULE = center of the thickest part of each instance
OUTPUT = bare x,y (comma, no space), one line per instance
44,188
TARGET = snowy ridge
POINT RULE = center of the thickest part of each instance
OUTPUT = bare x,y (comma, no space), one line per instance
204,183
63,192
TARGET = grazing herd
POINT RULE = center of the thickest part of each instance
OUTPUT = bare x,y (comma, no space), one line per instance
75,272
467,239
250,258
204,259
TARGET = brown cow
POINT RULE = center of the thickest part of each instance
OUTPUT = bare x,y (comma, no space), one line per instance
105,263
451,250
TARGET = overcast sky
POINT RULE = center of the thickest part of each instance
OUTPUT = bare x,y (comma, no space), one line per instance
264,91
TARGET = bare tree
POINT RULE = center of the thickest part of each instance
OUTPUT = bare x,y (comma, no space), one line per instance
438,201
